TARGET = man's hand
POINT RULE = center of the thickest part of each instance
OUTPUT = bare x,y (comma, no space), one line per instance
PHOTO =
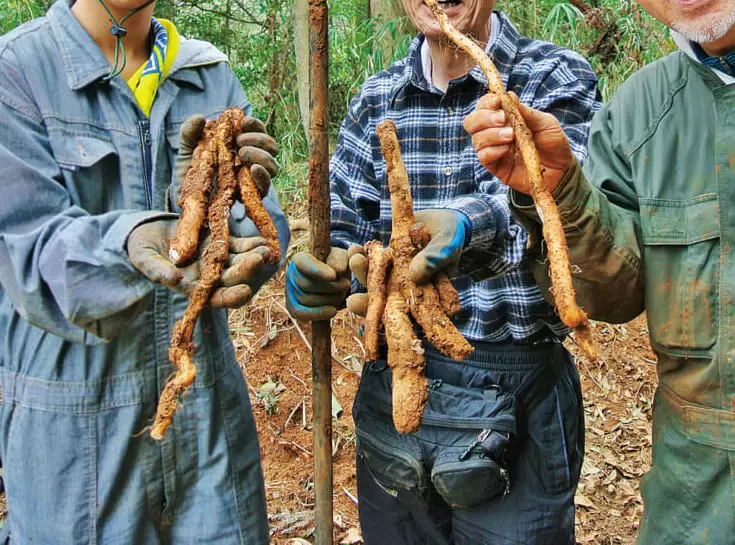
358,263
450,232
316,290
493,140
256,148
148,250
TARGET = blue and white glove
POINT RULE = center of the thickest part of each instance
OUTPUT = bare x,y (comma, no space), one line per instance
316,290
450,232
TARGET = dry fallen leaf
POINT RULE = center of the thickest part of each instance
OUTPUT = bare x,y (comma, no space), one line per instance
351,537
583,501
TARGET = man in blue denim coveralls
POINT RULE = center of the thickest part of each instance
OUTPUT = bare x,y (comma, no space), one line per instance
497,457
91,160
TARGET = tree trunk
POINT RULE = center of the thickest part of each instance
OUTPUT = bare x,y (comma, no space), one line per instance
274,67
381,12
301,47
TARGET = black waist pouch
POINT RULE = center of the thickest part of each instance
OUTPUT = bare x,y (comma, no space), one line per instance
462,448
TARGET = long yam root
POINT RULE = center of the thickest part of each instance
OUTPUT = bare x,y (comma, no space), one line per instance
394,298
423,300
194,197
448,297
379,262
561,276
406,358
219,137
250,197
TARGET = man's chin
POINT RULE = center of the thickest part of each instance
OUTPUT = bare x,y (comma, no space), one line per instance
703,32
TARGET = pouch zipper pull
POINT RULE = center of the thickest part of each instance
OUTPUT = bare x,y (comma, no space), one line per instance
476,443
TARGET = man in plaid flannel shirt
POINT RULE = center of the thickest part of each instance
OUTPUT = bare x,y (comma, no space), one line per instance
479,482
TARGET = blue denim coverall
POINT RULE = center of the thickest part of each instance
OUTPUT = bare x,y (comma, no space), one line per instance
83,335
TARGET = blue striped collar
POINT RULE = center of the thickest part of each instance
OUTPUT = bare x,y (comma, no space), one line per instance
723,63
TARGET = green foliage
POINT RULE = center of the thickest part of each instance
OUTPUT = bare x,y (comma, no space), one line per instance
616,35
15,12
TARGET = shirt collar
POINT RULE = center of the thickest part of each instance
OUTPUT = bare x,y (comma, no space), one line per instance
84,62
502,48
686,46
426,66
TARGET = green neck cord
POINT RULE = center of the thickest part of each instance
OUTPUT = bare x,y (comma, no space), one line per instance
119,32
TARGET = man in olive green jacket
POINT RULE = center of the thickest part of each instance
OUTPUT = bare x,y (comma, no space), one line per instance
650,226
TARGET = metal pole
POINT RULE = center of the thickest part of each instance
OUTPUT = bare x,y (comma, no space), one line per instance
321,353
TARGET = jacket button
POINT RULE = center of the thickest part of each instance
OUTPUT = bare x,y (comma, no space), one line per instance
448,171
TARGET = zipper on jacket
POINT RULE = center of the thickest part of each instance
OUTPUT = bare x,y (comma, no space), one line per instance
144,132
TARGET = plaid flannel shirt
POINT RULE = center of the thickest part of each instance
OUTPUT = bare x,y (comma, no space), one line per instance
498,296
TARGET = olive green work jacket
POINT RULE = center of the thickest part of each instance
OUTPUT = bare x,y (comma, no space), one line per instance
650,224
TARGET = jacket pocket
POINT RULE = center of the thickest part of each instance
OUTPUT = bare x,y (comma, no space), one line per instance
90,167
682,252
41,459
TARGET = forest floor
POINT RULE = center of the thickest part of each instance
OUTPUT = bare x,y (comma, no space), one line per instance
275,357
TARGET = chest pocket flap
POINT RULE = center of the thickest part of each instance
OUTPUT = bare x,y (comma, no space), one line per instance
665,221
682,254
74,152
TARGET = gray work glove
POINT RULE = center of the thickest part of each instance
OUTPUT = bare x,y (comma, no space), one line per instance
450,231
256,148
316,290
148,246
358,263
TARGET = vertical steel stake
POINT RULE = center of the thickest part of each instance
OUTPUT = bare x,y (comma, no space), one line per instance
321,354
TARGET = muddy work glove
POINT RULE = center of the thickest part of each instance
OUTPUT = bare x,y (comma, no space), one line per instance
147,248
316,290
450,232
358,263
256,148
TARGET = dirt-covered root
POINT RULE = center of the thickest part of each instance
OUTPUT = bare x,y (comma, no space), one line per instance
400,189
406,359
405,299
406,238
426,309
561,274
448,296
251,198
167,403
380,260
214,260
194,197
